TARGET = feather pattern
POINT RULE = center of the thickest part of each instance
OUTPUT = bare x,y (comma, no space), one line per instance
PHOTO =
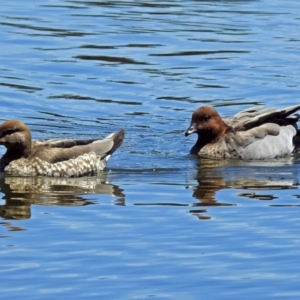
254,133
54,157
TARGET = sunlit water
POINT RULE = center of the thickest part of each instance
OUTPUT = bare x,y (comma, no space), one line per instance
158,223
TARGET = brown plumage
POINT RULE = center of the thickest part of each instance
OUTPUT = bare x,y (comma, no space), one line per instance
54,157
253,133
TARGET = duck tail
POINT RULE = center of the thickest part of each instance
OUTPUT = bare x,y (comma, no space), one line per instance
118,138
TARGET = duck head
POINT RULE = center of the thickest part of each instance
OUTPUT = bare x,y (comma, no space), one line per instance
16,137
209,126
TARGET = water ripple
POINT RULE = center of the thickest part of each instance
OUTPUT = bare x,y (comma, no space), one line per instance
87,68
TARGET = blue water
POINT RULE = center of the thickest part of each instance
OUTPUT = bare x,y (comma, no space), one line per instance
157,223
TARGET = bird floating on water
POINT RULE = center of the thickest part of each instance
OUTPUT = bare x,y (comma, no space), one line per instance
54,157
252,134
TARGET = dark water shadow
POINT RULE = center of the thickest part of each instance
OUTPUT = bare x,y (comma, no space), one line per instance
20,193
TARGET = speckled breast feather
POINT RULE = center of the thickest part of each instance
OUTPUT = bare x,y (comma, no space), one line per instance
86,164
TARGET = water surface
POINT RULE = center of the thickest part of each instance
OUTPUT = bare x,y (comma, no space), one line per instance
158,223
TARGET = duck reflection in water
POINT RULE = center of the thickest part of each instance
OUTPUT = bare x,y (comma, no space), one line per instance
215,175
22,192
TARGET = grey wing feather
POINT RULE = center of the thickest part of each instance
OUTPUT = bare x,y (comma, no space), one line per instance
63,143
245,138
56,150
266,141
255,116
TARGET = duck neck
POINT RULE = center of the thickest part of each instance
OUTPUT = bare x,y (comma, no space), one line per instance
13,153
210,136
202,140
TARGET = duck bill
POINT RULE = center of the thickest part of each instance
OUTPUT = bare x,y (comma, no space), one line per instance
191,129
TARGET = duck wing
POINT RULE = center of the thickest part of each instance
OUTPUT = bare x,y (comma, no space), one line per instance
256,116
266,141
56,150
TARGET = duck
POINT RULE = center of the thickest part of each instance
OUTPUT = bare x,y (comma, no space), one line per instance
256,133
54,157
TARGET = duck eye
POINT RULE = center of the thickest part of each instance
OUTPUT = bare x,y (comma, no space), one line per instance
206,118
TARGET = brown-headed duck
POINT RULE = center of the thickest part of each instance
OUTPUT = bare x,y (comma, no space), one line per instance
252,134
53,157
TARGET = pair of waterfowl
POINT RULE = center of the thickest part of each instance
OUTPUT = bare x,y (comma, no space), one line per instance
254,133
